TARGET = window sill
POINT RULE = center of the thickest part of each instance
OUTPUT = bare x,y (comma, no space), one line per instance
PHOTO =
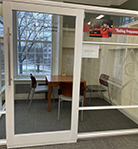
28,79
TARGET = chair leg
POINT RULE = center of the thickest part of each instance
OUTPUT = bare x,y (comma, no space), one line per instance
90,97
28,95
31,100
102,95
109,96
82,110
58,108
53,93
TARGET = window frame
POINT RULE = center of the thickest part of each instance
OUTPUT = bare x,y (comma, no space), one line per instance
36,41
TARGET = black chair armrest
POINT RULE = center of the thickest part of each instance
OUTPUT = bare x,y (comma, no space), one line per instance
82,91
59,90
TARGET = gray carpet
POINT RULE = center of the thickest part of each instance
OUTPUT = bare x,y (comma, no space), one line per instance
38,119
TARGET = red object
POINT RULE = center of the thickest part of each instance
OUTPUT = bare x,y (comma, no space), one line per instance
125,31
86,28
104,33
116,30
98,35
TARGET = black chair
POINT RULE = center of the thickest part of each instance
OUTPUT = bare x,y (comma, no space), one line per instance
103,80
65,94
37,89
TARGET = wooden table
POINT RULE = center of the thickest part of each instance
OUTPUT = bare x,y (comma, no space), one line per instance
54,80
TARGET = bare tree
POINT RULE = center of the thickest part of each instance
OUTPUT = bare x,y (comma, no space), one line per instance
30,28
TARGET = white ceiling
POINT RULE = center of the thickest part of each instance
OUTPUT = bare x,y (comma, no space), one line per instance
96,2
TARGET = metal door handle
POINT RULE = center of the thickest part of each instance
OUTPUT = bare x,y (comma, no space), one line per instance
9,59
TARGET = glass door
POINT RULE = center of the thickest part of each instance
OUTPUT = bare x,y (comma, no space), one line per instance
2,83
36,43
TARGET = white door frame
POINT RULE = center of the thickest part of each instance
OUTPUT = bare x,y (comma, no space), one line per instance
55,8
44,138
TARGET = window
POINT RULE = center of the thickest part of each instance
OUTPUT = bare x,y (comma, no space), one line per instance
34,43
2,63
2,54
119,55
126,20
1,26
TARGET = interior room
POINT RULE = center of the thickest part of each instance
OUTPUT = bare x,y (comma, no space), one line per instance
44,46
43,70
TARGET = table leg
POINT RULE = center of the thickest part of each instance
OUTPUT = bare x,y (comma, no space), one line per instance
84,95
46,84
49,97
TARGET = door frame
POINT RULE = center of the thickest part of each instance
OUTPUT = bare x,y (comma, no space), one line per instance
43,138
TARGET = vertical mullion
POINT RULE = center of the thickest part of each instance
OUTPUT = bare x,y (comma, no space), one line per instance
25,49
43,44
26,60
0,79
43,56
0,67
35,62
51,46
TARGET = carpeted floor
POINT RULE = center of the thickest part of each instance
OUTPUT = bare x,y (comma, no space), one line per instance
38,119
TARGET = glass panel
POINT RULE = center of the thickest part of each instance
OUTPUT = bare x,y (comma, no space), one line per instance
39,48
119,63
1,31
2,100
42,56
100,30
106,120
68,22
39,68
30,68
2,68
2,126
22,68
2,63
2,79
34,36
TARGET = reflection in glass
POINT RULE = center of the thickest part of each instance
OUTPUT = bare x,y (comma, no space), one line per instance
118,21
2,126
2,63
107,120
120,64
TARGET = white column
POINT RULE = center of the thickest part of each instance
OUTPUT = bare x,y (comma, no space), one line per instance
55,45
77,71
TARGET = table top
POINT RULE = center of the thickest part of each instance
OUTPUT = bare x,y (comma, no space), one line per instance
60,78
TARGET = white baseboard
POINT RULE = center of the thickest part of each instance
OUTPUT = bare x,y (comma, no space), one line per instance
130,116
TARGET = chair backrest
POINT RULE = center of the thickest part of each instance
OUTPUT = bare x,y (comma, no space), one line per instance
33,81
67,87
104,79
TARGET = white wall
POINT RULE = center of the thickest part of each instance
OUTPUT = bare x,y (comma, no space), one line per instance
1,10
67,52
